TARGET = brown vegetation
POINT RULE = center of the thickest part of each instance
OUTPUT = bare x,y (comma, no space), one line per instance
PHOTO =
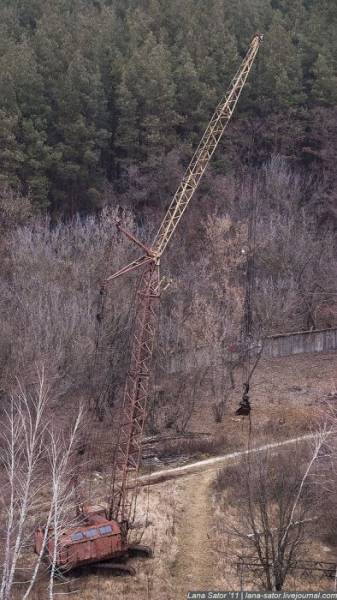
52,314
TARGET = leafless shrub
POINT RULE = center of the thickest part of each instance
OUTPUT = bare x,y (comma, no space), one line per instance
275,500
228,478
193,446
218,409
15,209
326,476
294,264
50,300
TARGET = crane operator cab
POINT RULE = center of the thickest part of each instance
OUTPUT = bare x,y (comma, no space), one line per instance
95,538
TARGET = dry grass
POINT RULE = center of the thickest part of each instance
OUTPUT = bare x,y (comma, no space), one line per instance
186,524
156,526
157,515
286,396
196,447
226,517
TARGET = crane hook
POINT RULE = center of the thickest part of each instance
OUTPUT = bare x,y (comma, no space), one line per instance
244,406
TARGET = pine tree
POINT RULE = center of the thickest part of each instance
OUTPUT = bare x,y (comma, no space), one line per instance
22,97
245,17
11,155
324,88
86,87
147,117
82,132
321,55
127,134
189,95
294,14
280,83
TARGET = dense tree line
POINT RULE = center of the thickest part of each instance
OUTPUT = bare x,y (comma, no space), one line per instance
99,93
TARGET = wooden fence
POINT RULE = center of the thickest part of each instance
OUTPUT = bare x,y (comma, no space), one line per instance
283,344
286,344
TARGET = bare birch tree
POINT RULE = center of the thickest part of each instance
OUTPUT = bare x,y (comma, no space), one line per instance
23,436
63,503
36,461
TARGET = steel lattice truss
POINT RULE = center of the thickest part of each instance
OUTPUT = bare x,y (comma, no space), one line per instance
134,408
205,151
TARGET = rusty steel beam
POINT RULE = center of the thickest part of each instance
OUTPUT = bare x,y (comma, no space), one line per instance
134,408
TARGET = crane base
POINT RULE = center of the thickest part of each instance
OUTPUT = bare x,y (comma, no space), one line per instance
115,568
110,568
140,551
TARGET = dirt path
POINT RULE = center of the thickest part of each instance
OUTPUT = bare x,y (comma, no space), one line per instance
194,564
210,464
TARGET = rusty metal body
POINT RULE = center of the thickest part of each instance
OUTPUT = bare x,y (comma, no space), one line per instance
134,409
94,539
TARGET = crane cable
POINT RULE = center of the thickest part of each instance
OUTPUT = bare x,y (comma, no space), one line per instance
246,330
94,402
99,322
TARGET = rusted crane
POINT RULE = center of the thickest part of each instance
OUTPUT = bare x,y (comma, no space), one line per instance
136,388
103,535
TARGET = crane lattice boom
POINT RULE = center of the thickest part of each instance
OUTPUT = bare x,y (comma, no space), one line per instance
204,152
134,408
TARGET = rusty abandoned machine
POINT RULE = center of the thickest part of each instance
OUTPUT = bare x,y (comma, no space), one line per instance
102,534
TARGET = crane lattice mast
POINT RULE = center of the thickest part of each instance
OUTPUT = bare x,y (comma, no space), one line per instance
134,407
